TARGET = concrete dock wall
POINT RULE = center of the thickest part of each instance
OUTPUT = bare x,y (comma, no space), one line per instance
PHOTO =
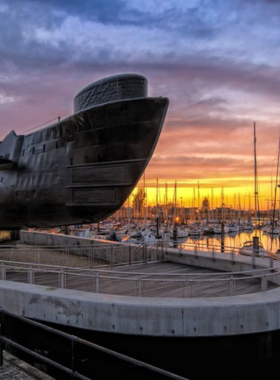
194,317
218,261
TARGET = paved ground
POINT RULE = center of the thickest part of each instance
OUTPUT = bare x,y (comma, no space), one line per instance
40,255
15,369
158,279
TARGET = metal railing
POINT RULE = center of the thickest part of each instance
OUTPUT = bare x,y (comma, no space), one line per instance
74,370
113,254
89,255
109,281
101,279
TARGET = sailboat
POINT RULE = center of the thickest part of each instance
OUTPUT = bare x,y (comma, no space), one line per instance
254,246
273,229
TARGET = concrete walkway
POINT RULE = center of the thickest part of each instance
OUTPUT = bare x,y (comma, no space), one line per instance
15,369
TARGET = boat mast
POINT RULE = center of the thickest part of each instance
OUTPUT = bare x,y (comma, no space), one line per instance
175,201
166,207
222,211
212,202
145,201
157,213
275,189
255,172
198,202
194,204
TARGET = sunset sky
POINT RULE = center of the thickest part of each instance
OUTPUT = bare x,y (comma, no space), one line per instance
218,62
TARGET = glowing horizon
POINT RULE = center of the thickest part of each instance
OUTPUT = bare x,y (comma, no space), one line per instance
190,194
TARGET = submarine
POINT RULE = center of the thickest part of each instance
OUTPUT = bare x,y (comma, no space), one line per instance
81,169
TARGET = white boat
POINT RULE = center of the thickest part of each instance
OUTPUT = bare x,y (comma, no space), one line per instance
248,227
248,249
266,227
195,231
140,238
272,230
181,232
232,227
218,229
208,229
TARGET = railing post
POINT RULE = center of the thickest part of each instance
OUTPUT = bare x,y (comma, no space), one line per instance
112,256
231,287
3,272
30,276
233,257
38,256
129,254
271,262
190,289
97,285
195,251
213,254
187,289
263,284
73,364
62,279
254,259
140,287
1,334
162,250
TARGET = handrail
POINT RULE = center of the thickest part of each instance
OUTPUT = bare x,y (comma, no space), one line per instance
75,339
62,280
70,270
139,247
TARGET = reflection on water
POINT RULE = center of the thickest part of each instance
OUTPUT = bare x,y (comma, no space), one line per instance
236,240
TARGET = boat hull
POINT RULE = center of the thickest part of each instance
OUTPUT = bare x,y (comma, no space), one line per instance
82,169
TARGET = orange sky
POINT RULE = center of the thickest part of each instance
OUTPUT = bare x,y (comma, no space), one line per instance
191,196
224,162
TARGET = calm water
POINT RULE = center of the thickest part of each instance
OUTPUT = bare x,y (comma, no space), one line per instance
236,240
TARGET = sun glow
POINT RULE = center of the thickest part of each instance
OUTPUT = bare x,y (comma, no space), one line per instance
228,192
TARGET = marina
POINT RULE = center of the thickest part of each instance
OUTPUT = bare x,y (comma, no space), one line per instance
236,240
135,232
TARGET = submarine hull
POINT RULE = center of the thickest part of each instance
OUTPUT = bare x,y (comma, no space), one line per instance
81,169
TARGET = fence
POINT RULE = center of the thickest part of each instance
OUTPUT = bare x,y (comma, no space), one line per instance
64,352
89,255
141,283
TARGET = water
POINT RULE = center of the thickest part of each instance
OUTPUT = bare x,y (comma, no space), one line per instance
235,240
